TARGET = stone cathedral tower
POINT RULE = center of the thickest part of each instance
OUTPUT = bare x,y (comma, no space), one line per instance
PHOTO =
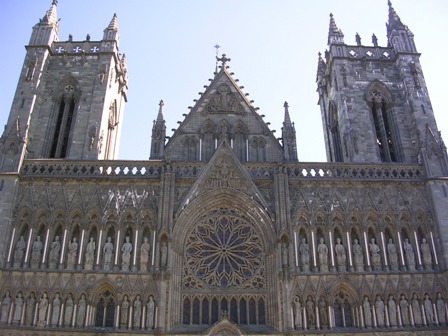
223,231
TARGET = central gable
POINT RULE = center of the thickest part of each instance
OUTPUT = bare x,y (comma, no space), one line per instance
223,112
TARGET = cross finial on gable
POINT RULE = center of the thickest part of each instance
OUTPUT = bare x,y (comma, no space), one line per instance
223,59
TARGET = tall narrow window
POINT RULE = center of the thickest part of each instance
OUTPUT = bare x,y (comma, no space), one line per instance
66,99
105,309
379,99
335,134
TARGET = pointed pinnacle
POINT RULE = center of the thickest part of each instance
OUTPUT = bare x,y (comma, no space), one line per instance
113,25
335,34
287,120
160,114
394,19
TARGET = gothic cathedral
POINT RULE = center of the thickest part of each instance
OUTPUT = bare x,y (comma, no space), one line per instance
223,231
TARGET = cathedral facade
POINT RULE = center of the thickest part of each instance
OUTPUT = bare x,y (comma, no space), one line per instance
223,231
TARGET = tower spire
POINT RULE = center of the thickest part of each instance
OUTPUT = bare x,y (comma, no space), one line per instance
394,19
158,135
111,32
50,16
335,34
289,136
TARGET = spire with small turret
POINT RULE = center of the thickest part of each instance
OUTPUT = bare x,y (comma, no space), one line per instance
335,35
46,31
111,32
399,35
158,135
289,136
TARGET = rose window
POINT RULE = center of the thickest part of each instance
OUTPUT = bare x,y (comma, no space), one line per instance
223,249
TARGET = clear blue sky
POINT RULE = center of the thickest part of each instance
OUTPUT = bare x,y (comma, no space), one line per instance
273,45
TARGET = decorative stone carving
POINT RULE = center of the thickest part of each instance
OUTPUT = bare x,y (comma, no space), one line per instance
144,255
29,310
284,250
379,310
36,253
392,307
367,312
404,308
68,313
341,256
310,313
359,257
429,311
18,306
19,252
426,253
416,310
409,253
297,313
393,255
322,250
108,251
224,100
323,313
441,309
81,314
137,312
126,250
90,254
72,253
163,254
56,309
375,255
124,312
6,305
305,255
150,306
42,313
55,249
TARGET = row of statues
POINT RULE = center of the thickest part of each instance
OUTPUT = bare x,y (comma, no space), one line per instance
89,256
387,314
70,317
359,258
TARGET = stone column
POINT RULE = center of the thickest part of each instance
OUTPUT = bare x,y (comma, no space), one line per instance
64,242
366,244
313,241
99,250
331,242
135,251
81,249
400,248
383,244
117,250
349,248
11,244
27,253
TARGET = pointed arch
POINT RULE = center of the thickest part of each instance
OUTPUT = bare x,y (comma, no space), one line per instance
65,101
380,101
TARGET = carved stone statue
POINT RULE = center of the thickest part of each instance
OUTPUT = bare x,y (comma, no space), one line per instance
144,255
404,308
416,310
90,254
310,313
359,258
441,309
393,255
323,314
298,313
36,253
6,305
367,312
71,255
379,310
126,250
391,305
68,313
55,249
429,310
108,250
409,253
43,307
150,313
81,314
19,252
56,309
322,250
29,310
305,255
18,309
426,253
124,312
375,255
341,257
163,254
137,320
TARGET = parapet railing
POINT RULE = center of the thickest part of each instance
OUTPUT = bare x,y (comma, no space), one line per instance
154,168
